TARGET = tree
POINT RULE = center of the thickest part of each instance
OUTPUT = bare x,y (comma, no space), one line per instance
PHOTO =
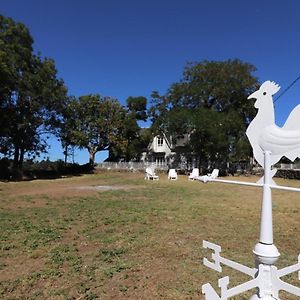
136,110
15,52
99,124
31,96
137,107
68,126
210,105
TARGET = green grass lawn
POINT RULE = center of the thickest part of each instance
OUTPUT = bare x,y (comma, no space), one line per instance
66,239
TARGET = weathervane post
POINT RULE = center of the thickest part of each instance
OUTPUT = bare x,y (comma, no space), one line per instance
266,227
269,144
265,251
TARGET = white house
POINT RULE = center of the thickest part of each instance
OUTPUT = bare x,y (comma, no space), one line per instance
166,152
159,150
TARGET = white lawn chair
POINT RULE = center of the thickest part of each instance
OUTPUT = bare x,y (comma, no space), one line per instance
213,175
194,174
172,175
150,174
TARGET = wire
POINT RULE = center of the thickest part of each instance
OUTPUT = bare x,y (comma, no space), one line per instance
284,91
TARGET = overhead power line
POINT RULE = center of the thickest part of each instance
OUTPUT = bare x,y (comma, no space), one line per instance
284,91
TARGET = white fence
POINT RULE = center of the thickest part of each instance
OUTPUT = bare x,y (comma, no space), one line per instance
288,166
141,166
130,166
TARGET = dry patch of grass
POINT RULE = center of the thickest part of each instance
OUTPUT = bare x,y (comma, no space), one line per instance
140,240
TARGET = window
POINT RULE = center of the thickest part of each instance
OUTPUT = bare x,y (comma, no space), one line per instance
160,160
160,141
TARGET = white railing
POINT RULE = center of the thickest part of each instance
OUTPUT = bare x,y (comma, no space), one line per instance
288,166
130,166
162,166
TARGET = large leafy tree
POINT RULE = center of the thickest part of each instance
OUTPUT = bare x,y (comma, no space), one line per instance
15,55
210,104
136,110
137,107
98,124
68,126
31,96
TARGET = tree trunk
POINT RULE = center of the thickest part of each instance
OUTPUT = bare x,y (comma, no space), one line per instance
92,158
21,158
16,173
73,155
16,157
66,154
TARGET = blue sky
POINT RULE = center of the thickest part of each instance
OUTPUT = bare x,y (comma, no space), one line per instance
130,48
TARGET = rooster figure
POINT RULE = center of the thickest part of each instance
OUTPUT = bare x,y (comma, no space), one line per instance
265,135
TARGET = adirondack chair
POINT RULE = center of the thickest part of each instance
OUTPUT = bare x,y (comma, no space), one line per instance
213,175
150,174
194,174
172,175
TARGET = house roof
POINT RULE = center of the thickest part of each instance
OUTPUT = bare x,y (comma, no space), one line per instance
168,140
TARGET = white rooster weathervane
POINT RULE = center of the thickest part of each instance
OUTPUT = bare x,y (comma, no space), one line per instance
269,143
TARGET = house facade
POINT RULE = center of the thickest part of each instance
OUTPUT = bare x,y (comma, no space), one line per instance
166,152
159,151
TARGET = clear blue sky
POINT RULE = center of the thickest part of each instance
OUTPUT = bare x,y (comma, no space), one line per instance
130,48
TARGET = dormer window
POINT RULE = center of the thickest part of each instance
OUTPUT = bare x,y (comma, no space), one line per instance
160,141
